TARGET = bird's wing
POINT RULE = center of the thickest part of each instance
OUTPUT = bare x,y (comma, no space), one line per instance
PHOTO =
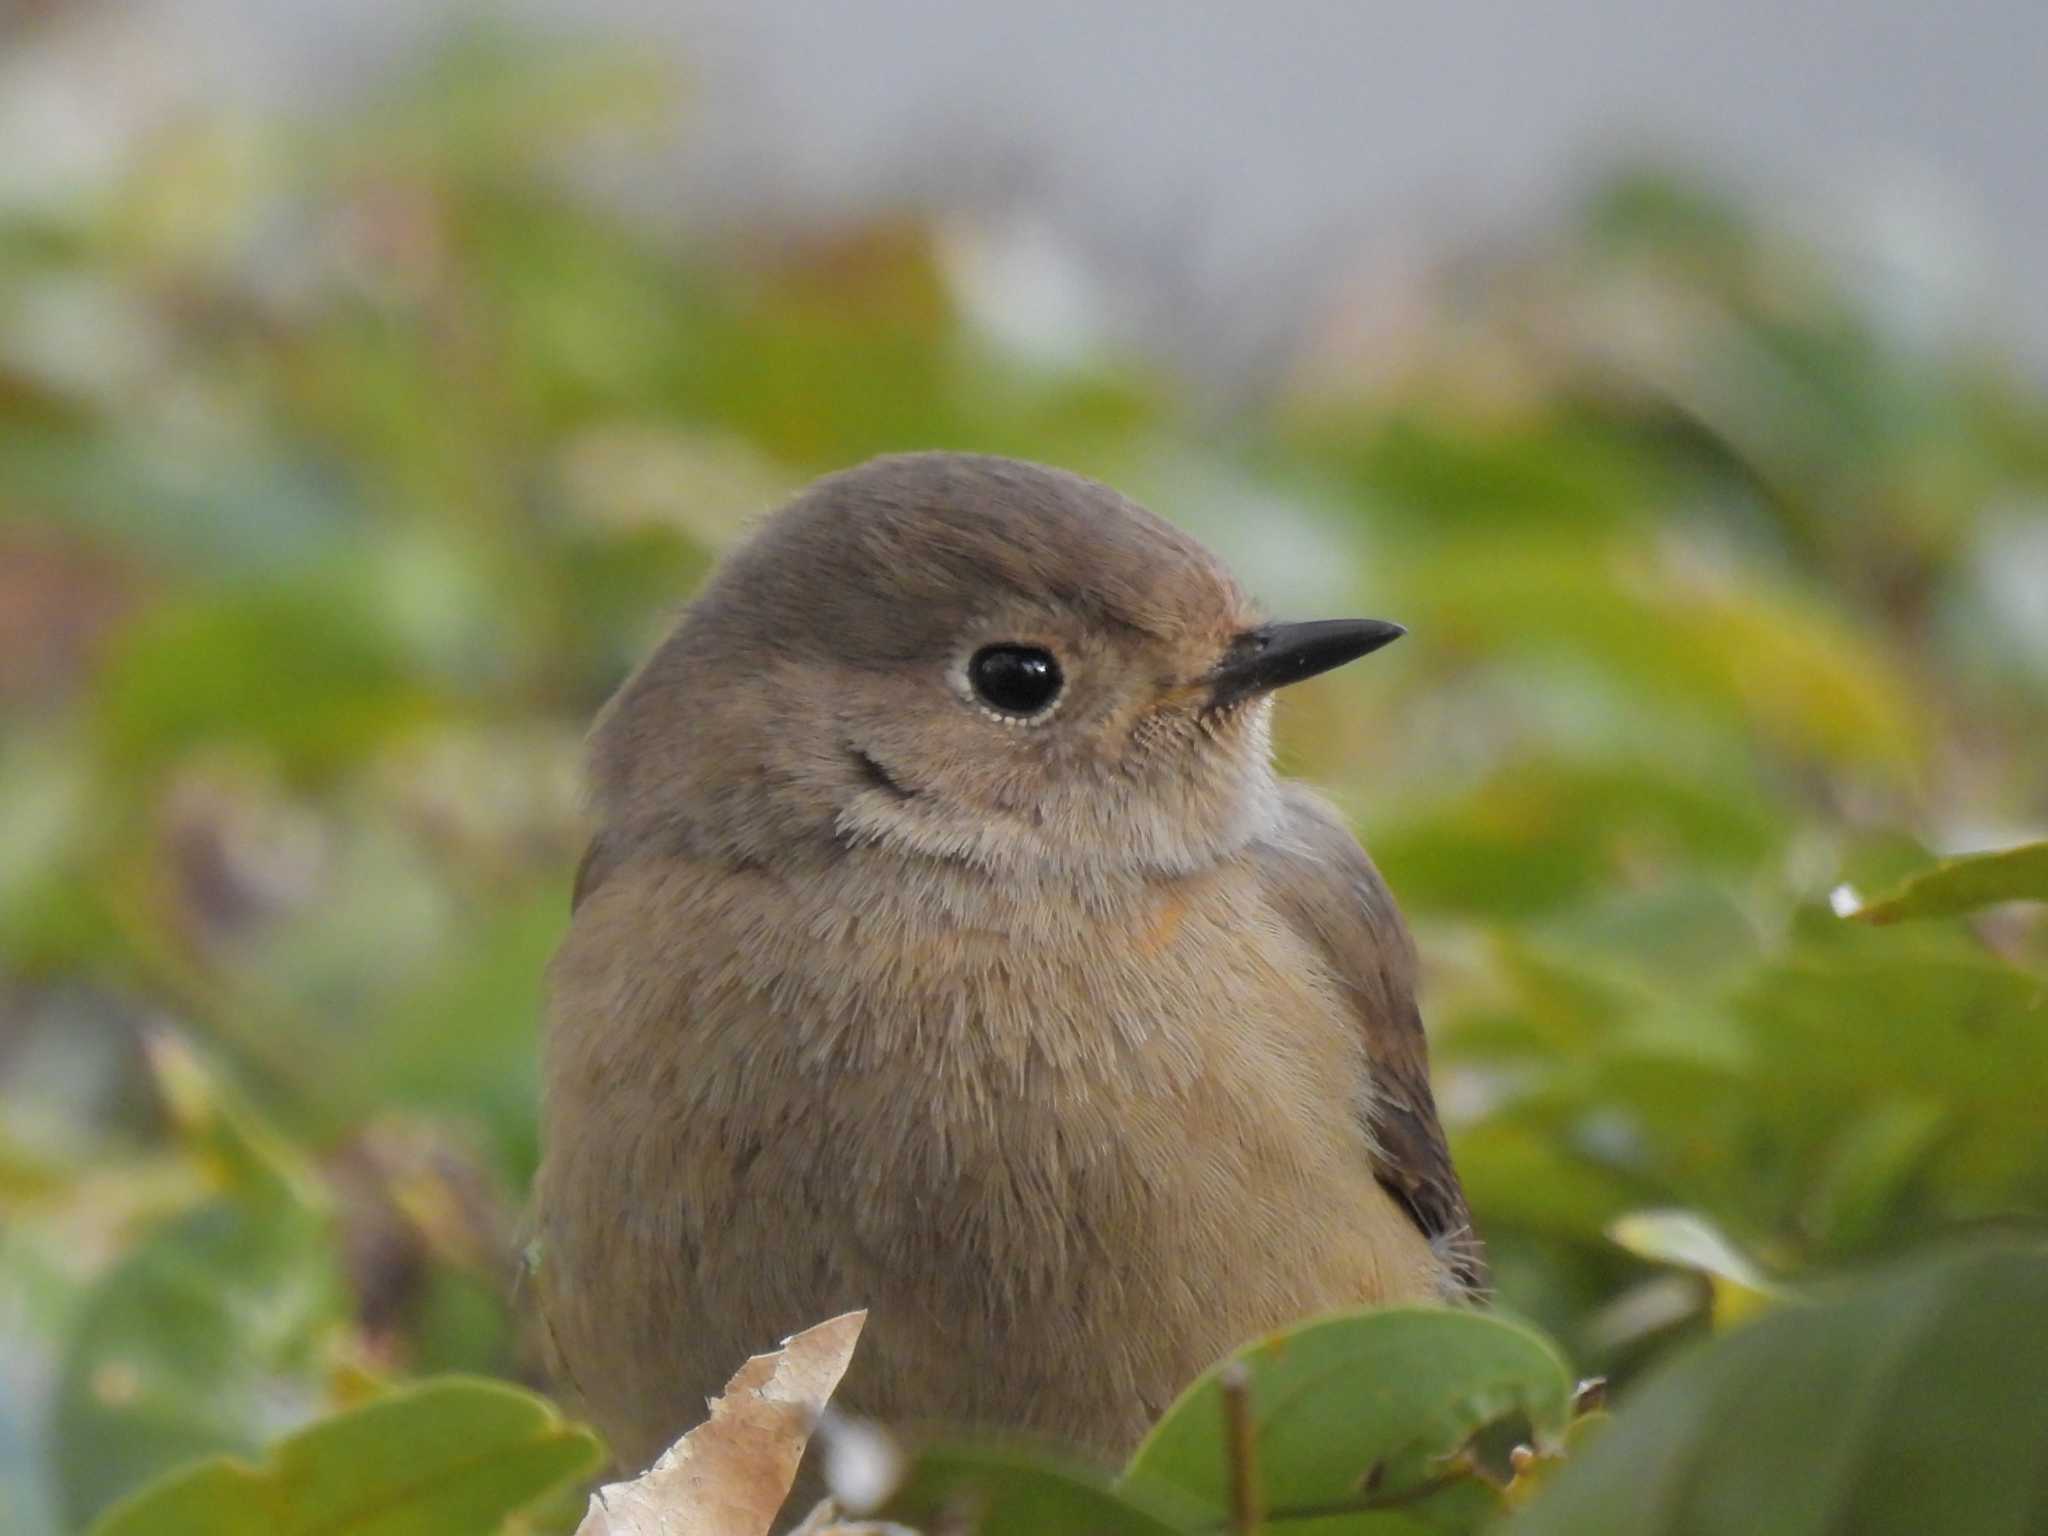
1322,883
594,868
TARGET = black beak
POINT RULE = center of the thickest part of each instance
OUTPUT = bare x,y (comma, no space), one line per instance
1274,655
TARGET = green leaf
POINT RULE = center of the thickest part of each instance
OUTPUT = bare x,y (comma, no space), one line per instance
1843,1037
1911,1404
463,1034
1957,886
1531,1178
1004,1490
1377,1395
1465,478
308,672
239,1149
1761,657
452,1455
1552,832
1691,1241
199,1341
1868,1169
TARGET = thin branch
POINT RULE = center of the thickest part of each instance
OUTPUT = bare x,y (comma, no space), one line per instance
1236,1383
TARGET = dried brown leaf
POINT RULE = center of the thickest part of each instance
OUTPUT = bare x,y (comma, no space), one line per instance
729,1475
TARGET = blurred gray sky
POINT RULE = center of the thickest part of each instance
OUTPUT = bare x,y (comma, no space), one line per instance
1212,161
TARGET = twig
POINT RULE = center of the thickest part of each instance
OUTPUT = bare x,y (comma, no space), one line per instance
1236,1384
1369,1503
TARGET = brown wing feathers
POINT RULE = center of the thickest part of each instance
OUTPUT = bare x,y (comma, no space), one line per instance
1323,883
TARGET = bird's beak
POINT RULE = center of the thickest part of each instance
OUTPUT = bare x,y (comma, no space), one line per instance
1274,655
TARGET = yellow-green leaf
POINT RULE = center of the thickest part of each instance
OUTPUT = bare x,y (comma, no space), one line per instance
1691,1241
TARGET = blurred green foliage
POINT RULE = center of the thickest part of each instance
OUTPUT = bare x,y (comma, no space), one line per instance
346,465
1905,1405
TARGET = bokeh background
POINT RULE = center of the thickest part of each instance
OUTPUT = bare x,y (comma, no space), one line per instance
376,381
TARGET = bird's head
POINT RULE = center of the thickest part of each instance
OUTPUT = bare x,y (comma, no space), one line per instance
967,659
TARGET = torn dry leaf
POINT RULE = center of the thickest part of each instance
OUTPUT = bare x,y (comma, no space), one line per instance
729,1475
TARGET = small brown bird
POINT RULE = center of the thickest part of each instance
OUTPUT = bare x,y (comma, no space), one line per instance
949,948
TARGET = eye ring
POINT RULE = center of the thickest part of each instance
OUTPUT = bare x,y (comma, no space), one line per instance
1016,682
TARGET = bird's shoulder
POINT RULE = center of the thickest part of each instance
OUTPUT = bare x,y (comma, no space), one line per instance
1320,881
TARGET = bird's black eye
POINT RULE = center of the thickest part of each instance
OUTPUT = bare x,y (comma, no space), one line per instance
1016,679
